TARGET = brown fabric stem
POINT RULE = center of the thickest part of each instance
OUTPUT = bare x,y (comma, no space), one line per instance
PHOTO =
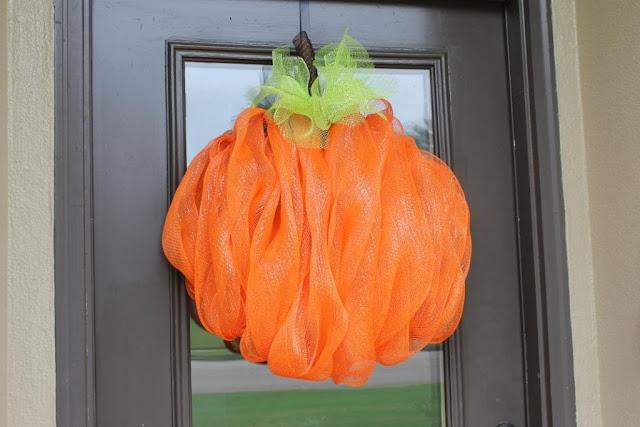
304,49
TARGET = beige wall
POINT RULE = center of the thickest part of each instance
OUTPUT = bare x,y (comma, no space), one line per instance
3,211
26,174
598,62
578,221
609,40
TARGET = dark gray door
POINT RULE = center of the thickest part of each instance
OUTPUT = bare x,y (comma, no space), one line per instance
141,326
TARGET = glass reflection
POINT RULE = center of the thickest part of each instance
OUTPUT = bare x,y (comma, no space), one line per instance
228,391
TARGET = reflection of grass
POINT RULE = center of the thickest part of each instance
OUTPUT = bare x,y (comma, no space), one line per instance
205,346
413,405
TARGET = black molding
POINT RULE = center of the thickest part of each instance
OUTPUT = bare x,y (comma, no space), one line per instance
73,223
180,338
542,250
544,280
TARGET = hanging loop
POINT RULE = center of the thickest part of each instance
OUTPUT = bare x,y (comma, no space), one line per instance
304,49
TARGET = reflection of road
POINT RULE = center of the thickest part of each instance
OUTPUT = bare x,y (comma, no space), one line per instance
238,375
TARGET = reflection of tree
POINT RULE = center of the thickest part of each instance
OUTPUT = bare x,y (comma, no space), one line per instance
422,133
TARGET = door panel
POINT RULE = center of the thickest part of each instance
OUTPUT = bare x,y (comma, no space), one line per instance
138,345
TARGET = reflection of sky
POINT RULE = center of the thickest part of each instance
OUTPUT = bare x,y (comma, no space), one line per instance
216,93
411,95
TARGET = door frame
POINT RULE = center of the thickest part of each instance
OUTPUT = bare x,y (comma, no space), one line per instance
548,359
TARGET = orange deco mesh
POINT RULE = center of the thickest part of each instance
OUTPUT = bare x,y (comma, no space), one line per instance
323,261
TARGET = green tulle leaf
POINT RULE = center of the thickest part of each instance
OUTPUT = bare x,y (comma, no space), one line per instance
344,90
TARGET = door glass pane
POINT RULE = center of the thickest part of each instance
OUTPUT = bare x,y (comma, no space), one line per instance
227,391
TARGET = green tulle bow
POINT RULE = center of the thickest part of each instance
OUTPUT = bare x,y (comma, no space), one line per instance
343,92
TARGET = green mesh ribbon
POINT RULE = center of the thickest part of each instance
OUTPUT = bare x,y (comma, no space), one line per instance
343,92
